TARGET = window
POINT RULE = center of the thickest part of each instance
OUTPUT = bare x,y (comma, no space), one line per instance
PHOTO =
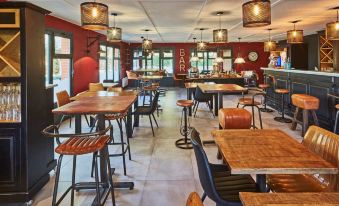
109,63
159,59
58,60
206,59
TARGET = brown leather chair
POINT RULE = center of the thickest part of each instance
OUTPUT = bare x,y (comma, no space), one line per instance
63,99
131,75
114,89
305,103
194,200
95,87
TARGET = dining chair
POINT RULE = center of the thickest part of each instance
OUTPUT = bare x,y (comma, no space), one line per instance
216,179
114,89
95,87
200,97
149,110
194,200
63,99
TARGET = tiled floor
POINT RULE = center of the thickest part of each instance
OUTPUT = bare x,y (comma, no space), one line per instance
163,174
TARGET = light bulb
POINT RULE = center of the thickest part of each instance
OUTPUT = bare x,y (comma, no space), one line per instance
220,34
114,32
94,12
269,43
146,42
256,10
294,33
337,25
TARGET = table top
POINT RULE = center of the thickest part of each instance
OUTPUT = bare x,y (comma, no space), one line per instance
285,199
215,88
151,77
192,85
104,94
97,105
268,151
110,84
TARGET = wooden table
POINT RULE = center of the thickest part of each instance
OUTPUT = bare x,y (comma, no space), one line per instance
190,88
151,78
221,89
285,199
268,151
100,106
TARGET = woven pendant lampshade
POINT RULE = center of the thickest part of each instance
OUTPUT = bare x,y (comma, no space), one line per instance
269,45
256,13
94,16
202,46
295,36
146,44
114,33
332,29
220,35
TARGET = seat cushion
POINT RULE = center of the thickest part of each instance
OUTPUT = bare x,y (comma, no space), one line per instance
184,103
337,106
295,183
305,101
82,145
264,86
143,110
282,91
234,118
228,186
248,101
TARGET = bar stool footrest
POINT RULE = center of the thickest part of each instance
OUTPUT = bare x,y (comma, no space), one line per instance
266,110
282,120
184,143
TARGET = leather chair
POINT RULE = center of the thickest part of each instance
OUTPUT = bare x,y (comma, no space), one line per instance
194,200
216,179
306,104
200,97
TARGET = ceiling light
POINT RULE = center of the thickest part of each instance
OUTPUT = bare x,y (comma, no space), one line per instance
195,57
332,29
114,33
269,45
256,13
295,36
146,43
94,16
239,59
220,35
202,46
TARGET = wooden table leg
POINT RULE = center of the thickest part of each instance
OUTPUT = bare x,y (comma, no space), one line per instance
261,183
129,127
77,124
216,104
136,117
189,97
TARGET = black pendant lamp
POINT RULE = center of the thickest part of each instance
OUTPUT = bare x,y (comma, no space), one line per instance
332,29
269,45
295,36
146,43
220,35
202,46
94,16
256,13
114,33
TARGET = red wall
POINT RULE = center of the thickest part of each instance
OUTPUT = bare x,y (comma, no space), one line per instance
85,65
245,48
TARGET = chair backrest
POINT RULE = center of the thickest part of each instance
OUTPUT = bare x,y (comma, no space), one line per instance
325,144
194,200
204,170
154,104
200,96
62,98
114,89
131,75
95,87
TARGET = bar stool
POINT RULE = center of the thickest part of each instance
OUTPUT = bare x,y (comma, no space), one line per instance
185,129
307,104
282,119
264,87
234,118
81,144
336,119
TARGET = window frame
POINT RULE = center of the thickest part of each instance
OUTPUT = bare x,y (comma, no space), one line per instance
107,45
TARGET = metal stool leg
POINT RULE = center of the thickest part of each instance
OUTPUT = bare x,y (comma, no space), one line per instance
122,144
282,119
184,143
97,185
110,179
336,122
129,146
265,109
56,184
73,179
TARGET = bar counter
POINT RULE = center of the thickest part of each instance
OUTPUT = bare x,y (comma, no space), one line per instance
218,80
314,83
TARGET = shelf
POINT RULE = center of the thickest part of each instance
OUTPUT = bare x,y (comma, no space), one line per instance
10,53
8,121
325,52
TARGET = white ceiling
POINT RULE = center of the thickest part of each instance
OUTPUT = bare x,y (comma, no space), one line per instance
178,20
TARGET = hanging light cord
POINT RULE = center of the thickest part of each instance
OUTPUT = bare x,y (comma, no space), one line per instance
219,22
114,21
269,35
200,35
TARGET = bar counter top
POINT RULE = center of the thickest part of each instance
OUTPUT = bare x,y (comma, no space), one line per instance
330,74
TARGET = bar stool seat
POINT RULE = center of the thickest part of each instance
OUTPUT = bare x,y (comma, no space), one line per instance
248,101
337,106
264,86
282,91
185,103
305,101
82,145
234,118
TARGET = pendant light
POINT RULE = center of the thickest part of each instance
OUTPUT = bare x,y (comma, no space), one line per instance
295,36
114,33
239,59
256,13
94,16
201,46
269,45
195,57
220,35
332,29
146,43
